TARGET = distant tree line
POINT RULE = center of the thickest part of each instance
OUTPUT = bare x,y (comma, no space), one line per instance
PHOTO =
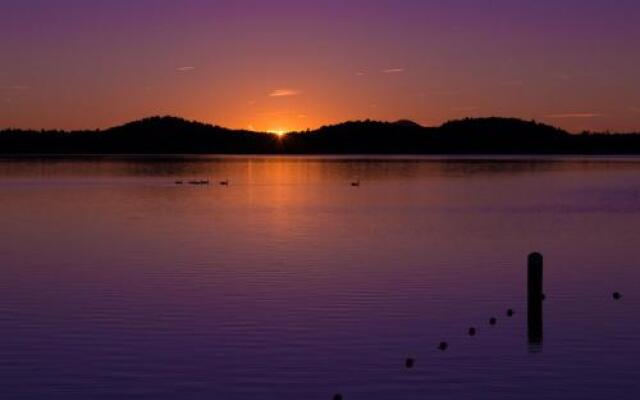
171,135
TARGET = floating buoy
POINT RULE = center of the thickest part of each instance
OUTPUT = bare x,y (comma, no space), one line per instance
510,313
409,363
493,321
443,346
472,331
617,296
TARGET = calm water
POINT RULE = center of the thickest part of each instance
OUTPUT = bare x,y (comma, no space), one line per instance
291,284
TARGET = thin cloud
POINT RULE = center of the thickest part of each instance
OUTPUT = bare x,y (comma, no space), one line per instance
634,109
575,115
284,93
574,76
564,77
448,93
186,69
360,73
513,83
393,70
465,108
274,113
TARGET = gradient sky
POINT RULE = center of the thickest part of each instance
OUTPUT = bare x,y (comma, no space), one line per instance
296,64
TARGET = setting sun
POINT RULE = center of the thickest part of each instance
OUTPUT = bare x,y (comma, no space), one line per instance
278,132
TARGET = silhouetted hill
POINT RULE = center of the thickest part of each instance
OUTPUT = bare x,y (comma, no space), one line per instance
155,135
500,128
176,135
509,135
361,137
171,135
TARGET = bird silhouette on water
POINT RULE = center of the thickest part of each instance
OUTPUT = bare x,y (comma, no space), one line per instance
510,313
443,346
493,321
338,396
472,331
409,363
617,296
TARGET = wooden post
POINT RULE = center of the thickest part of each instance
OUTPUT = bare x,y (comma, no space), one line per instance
535,297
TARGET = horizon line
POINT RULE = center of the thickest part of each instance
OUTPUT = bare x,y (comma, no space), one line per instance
309,129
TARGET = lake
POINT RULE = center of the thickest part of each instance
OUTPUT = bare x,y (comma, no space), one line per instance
290,283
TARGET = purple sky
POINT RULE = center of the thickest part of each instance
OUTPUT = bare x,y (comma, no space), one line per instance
282,65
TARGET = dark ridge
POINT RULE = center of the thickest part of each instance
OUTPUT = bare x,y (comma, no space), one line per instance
172,135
